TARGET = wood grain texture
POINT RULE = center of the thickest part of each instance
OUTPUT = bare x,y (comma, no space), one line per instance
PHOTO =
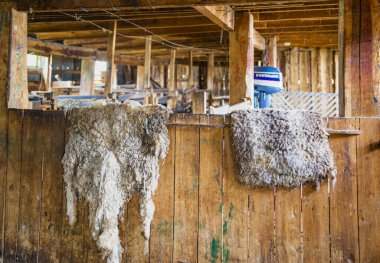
13,185
52,181
5,25
261,225
186,191
241,58
87,77
315,223
161,240
343,195
288,225
18,76
368,190
30,187
235,210
211,192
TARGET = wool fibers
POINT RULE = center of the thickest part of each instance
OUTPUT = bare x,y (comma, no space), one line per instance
280,148
112,154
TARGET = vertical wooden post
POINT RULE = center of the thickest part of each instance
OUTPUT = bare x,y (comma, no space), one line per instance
323,68
172,78
162,76
272,52
341,60
147,84
140,77
210,72
49,73
241,59
294,60
304,70
87,77
111,69
17,69
199,102
191,71
314,69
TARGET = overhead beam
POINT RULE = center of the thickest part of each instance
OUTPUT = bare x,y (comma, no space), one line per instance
38,5
223,16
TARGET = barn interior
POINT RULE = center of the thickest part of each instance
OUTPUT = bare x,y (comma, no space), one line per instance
198,59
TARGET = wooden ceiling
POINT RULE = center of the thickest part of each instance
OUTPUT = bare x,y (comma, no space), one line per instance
296,23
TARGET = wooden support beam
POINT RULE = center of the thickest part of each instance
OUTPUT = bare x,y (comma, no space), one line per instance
49,73
140,77
272,52
191,71
294,69
47,48
162,76
314,69
259,40
200,102
17,68
172,75
111,68
210,72
87,77
147,86
222,15
242,59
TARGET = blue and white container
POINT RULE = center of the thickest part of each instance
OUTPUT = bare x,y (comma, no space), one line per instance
267,81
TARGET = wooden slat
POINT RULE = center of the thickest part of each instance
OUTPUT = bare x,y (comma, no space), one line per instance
288,225
315,223
18,75
235,210
210,192
186,191
343,195
5,25
13,184
368,190
161,240
72,249
30,187
135,251
261,225
53,128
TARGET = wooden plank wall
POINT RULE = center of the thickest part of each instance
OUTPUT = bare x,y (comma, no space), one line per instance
202,213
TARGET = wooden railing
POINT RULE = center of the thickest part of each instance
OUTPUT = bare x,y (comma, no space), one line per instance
327,104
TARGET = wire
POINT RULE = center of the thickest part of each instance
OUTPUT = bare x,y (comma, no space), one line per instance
158,36
164,41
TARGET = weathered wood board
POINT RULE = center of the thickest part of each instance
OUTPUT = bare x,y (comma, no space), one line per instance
203,214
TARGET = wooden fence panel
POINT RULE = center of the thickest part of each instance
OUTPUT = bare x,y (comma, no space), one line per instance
13,185
186,190
235,211
261,225
369,190
343,195
30,187
202,212
161,240
288,225
53,127
210,191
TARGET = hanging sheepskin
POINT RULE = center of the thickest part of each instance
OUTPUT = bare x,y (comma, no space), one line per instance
112,154
280,148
